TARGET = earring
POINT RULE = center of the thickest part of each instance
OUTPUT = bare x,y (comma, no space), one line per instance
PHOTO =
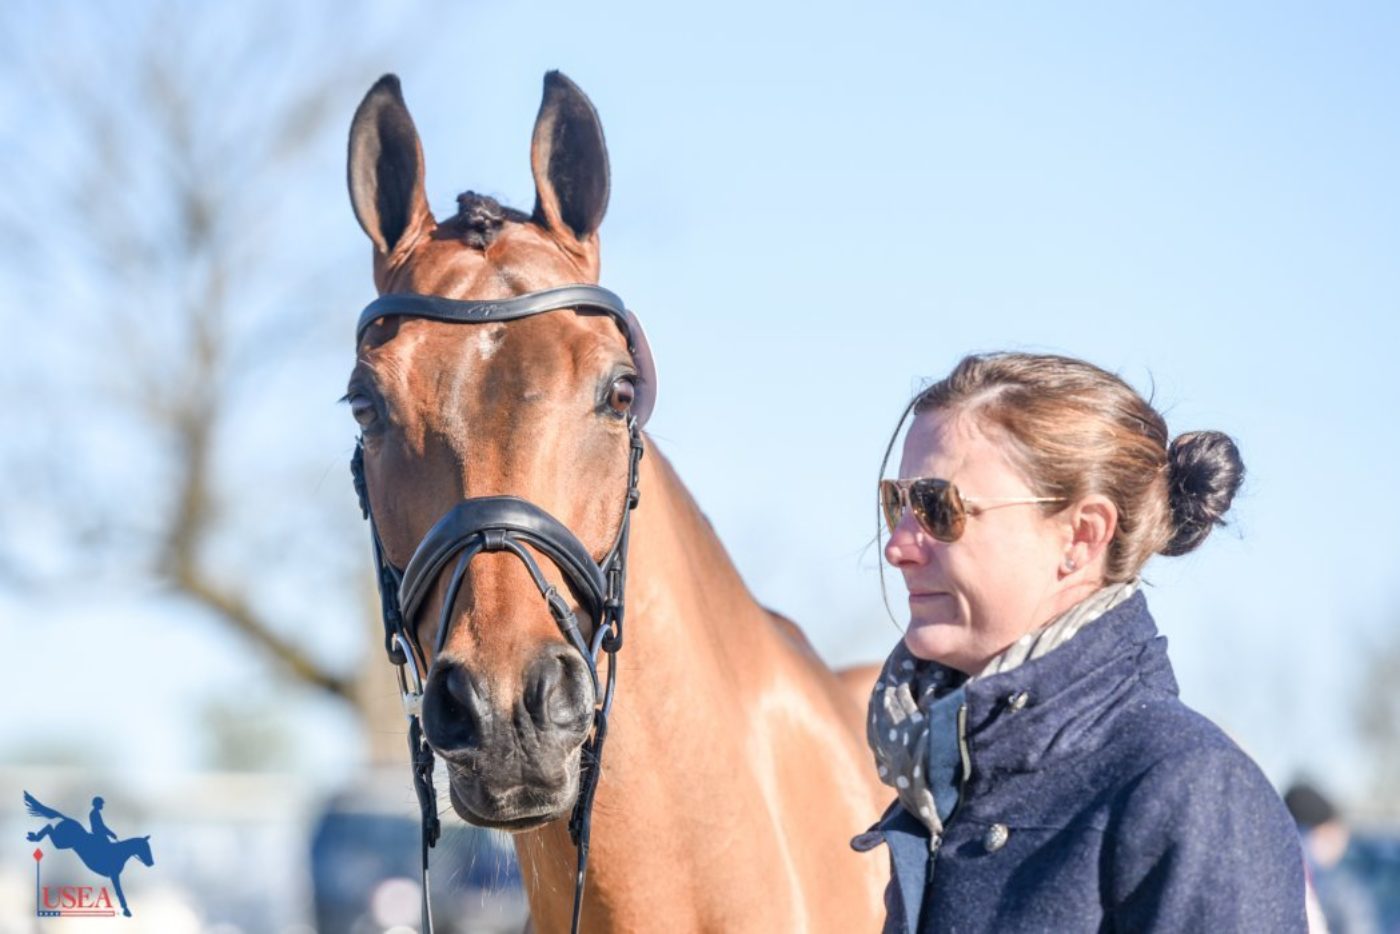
1069,564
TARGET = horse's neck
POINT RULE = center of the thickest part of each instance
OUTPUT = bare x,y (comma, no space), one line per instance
690,767
690,618
677,566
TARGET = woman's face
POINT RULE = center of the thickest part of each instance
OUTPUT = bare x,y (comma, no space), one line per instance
970,599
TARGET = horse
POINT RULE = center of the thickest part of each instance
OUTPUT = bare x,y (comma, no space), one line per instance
101,856
737,771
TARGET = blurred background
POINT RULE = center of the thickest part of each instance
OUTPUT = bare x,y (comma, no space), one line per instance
815,208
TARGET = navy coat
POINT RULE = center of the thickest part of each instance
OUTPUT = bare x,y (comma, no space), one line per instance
1097,802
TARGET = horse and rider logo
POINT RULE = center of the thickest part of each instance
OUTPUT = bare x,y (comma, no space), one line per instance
98,848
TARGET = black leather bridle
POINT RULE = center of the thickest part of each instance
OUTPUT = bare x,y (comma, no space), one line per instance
508,524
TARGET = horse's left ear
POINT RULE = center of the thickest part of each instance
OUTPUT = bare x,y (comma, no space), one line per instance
569,160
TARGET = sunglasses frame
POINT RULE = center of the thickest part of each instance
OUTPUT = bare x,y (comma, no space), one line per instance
951,500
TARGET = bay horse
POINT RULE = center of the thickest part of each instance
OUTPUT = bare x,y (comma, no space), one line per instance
736,769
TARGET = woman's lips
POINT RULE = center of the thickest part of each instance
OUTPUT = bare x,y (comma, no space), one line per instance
931,608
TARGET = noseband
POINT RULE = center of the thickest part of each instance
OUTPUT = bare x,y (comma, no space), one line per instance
509,524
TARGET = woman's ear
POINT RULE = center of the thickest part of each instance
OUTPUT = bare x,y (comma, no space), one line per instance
1092,523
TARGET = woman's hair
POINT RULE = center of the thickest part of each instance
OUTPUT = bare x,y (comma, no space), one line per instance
1076,430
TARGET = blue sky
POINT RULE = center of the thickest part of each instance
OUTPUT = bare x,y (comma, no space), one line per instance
815,207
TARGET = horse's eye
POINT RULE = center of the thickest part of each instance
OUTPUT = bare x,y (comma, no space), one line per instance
362,408
622,395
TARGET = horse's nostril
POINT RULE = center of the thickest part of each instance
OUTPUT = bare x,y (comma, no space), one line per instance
558,692
454,711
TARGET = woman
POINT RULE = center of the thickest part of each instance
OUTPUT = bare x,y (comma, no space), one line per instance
1049,778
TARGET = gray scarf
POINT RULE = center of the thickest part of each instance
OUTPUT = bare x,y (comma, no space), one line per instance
916,705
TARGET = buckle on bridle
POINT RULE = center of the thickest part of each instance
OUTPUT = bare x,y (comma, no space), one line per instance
410,678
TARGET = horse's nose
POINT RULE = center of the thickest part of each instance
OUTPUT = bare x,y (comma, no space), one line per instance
455,712
559,691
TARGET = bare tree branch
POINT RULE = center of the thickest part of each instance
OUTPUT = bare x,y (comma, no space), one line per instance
242,618
159,147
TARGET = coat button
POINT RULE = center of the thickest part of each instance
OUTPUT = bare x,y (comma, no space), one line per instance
1018,700
995,838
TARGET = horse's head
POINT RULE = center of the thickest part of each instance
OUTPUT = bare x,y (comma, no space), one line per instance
141,846
535,408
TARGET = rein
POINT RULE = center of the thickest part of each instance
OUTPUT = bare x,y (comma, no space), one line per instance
507,524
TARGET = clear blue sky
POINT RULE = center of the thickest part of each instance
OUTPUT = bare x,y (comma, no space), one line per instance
815,207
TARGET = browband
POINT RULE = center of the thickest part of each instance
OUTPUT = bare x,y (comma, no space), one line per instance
591,297
581,298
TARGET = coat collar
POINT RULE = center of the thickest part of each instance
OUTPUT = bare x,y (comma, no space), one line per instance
1021,720
1018,720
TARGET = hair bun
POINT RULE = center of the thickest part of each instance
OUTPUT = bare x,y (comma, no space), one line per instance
1204,471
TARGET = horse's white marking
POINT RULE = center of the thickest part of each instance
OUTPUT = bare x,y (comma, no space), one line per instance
488,341
481,345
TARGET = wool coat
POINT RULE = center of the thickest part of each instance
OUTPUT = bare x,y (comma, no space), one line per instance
1093,799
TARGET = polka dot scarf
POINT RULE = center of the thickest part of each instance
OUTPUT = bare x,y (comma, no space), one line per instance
913,731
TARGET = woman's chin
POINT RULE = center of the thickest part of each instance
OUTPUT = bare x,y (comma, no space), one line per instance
936,640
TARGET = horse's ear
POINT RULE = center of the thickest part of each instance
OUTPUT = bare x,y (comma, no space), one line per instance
569,160
385,169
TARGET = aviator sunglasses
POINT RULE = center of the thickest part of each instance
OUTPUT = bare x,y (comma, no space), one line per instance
941,510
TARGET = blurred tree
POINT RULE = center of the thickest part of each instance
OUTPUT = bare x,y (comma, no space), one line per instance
244,734
174,171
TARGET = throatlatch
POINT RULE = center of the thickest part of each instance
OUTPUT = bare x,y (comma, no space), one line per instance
508,524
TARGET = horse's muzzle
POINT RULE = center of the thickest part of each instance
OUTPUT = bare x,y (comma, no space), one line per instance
511,760
511,806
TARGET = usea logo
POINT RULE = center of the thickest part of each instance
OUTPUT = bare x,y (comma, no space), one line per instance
100,851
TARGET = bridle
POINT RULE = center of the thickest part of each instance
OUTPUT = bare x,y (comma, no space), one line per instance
507,524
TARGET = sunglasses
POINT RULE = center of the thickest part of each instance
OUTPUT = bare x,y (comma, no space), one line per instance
941,510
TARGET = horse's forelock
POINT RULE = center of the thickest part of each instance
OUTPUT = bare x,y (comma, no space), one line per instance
479,219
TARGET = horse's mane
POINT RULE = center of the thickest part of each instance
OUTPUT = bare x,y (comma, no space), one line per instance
479,219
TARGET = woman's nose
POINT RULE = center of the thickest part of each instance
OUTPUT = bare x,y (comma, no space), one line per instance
907,544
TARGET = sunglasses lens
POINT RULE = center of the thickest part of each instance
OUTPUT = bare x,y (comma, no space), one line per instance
890,503
938,506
